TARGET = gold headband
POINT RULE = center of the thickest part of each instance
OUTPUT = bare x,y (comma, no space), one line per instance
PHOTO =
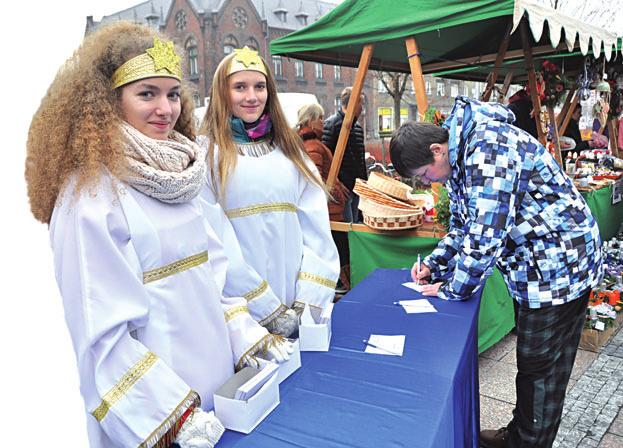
158,61
246,59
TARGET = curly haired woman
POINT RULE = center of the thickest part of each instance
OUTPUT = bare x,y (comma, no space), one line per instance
113,169
271,193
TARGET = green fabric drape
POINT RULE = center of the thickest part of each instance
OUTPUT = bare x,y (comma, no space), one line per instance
608,216
369,251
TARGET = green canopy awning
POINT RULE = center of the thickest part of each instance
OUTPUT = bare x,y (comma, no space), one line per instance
449,33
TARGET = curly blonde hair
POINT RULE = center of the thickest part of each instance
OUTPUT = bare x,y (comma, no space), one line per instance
76,128
216,126
308,113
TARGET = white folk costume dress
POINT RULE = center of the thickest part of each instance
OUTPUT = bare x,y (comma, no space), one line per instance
141,281
281,222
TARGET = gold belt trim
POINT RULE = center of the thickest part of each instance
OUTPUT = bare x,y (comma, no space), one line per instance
261,208
175,267
261,289
317,279
233,312
124,385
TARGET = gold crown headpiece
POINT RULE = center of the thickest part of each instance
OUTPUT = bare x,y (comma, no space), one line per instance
158,61
246,59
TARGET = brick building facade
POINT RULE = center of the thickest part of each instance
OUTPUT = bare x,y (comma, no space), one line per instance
207,30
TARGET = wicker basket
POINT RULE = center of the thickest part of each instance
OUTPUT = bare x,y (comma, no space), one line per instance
373,208
393,222
389,186
365,192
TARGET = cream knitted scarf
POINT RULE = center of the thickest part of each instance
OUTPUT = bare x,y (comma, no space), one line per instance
170,170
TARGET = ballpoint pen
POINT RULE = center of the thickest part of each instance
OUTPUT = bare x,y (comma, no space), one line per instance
381,348
417,271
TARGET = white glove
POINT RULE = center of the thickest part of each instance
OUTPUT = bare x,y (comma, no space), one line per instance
280,352
200,430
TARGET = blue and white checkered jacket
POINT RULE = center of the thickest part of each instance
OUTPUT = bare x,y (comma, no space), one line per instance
513,207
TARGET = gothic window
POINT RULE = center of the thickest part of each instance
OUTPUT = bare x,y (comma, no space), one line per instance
193,63
252,44
229,44
180,20
239,16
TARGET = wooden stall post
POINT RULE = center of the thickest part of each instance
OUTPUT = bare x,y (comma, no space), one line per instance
493,76
536,101
355,98
507,83
565,107
612,133
554,130
415,64
567,118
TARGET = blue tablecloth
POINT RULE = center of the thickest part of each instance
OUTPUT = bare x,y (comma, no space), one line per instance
347,398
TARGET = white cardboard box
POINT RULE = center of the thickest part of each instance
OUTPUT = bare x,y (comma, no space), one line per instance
291,365
316,337
244,416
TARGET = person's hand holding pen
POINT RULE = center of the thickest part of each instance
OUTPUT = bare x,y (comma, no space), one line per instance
420,272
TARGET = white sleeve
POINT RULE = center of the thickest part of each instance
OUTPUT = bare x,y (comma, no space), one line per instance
241,279
133,394
320,265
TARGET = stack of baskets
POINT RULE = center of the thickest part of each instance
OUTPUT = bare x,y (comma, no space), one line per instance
386,203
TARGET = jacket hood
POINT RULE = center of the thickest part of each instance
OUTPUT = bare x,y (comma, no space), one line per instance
465,115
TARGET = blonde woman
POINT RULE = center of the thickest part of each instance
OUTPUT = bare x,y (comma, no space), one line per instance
113,169
271,193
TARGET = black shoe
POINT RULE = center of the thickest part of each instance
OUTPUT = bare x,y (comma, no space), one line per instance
340,288
492,438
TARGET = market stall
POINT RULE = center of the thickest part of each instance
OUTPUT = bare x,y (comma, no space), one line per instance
427,36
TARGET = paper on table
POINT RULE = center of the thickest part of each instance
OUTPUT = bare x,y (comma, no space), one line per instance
414,286
417,306
385,345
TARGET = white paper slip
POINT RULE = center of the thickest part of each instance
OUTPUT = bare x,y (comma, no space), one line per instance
412,285
385,345
253,384
416,306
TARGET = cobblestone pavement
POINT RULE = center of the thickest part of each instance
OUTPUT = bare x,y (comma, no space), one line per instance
592,415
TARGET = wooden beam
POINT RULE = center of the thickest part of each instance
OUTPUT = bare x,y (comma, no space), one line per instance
493,77
355,98
567,118
554,131
612,133
426,230
565,107
415,63
536,101
507,83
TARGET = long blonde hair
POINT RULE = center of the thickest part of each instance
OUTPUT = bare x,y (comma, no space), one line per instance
76,128
216,126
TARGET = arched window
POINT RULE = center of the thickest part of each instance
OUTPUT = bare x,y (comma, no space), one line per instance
252,44
229,44
193,57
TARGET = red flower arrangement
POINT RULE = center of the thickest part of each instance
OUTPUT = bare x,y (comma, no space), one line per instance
554,84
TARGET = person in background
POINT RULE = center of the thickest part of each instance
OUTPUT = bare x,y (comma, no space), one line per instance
309,128
271,193
521,106
353,164
573,131
511,207
113,169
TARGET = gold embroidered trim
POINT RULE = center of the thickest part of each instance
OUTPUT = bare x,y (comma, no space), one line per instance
261,208
175,267
233,312
260,346
254,293
124,385
164,435
317,279
280,309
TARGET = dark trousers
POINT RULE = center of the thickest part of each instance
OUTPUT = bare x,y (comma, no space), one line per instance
547,342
